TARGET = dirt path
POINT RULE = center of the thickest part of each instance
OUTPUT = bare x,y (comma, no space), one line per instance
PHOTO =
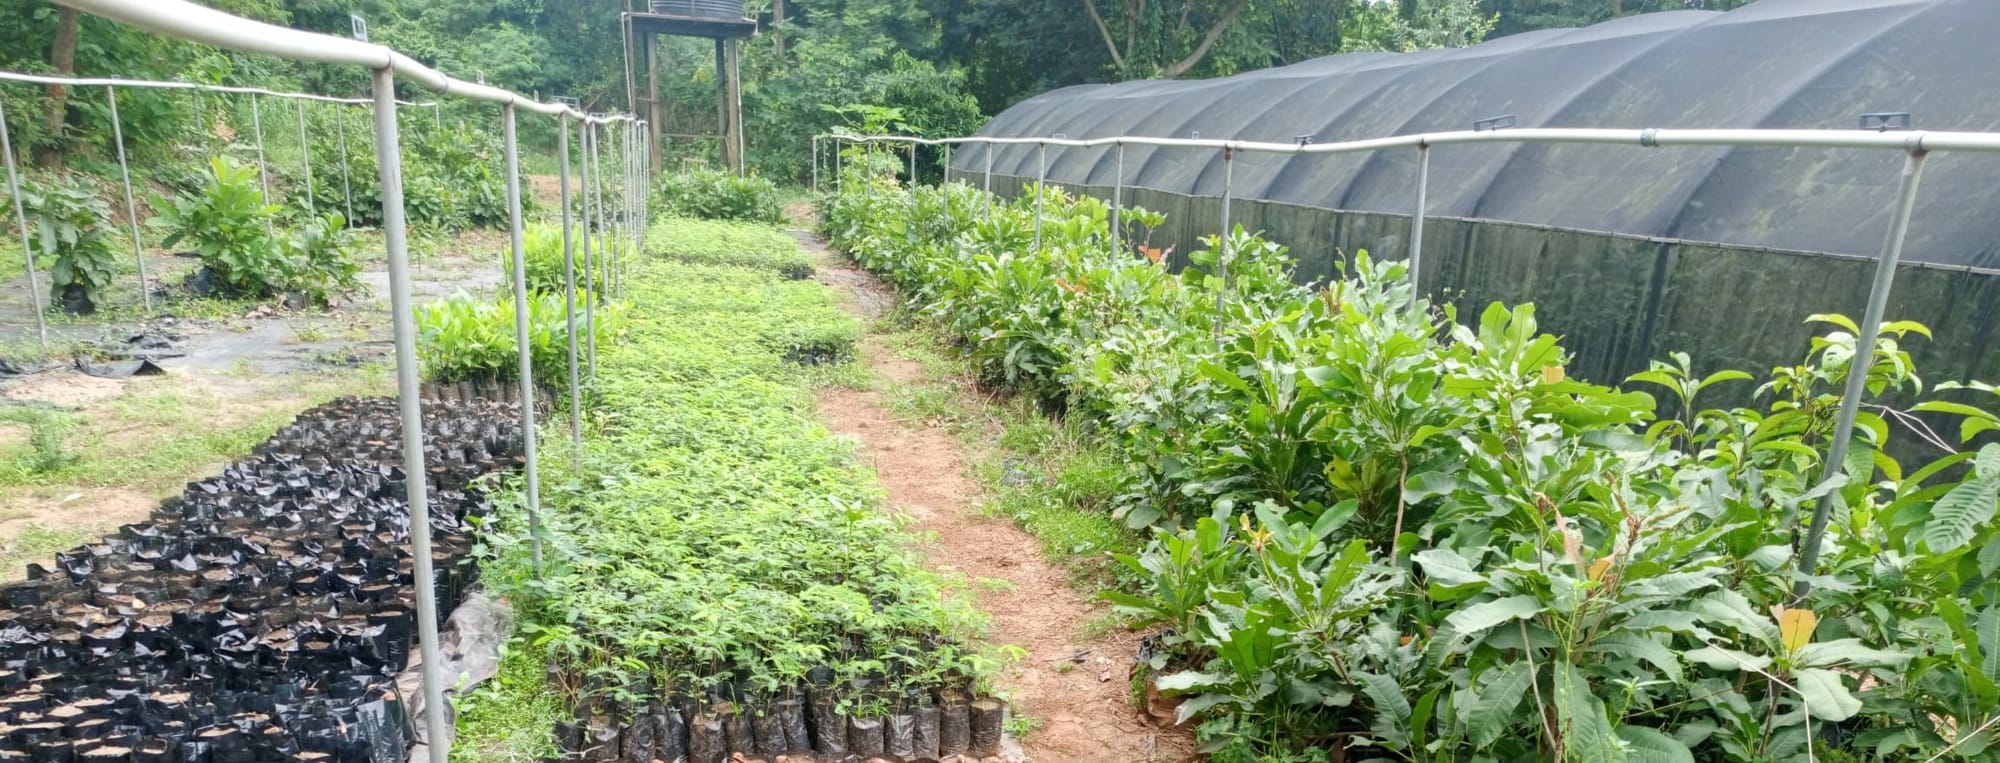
1077,689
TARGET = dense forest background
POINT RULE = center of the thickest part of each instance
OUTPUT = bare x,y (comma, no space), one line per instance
933,67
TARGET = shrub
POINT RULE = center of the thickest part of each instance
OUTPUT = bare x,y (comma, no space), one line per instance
229,225
72,235
465,338
1387,531
717,195
319,256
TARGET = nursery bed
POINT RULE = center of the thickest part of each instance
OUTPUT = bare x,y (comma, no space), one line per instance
263,614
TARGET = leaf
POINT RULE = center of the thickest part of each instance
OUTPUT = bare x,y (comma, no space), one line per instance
1445,568
1190,679
1479,617
1192,707
1587,734
1825,697
1492,714
1385,694
1649,745
1849,653
1727,659
1957,517
1795,627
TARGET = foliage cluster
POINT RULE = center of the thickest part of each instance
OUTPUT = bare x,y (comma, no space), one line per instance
542,249
465,338
730,243
725,545
71,232
708,194
235,232
1391,534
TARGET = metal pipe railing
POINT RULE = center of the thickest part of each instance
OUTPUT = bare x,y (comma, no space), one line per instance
1916,145
191,22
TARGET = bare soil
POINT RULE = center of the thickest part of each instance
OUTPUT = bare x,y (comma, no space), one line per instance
1078,689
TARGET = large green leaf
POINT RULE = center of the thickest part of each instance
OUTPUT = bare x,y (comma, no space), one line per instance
1957,517
1587,735
1479,617
1649,745
1492,713
1825,697
1851,653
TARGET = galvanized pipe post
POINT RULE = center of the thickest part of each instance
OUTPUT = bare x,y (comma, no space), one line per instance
346,186
947,167
815,165
836,166
1417,221
1222,242
569,304
1118,202
263,170
305,155
408,387
21,216
605,244
591,292
1864,356
1041,179
522,347
200,118
131,209
988,187
913,165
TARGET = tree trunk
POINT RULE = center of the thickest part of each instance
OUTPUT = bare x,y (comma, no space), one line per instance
1215,32
778,26
62,58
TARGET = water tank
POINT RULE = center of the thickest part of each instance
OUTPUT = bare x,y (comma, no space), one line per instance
708,9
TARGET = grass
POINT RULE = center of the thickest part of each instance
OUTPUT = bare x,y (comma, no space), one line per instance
36,543
509,717
1050,477
158,433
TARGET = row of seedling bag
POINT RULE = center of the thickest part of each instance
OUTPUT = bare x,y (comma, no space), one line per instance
811,720
261,615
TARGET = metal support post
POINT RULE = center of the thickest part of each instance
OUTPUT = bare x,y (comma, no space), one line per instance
988,186
945,164
913,165
569,303
131,209
605,251
257,122
815,160
388,154
836,166
522,346
591,292
1041,179
305,155
346,186
1417,221
21,216
1118,202
1863,360
200,118
1222,242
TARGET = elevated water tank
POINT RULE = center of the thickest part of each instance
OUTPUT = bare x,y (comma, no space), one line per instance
707,9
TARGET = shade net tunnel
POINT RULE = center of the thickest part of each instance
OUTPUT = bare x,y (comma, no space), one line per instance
1630,252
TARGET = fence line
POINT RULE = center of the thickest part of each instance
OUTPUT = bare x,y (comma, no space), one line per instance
187,21
1916,145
